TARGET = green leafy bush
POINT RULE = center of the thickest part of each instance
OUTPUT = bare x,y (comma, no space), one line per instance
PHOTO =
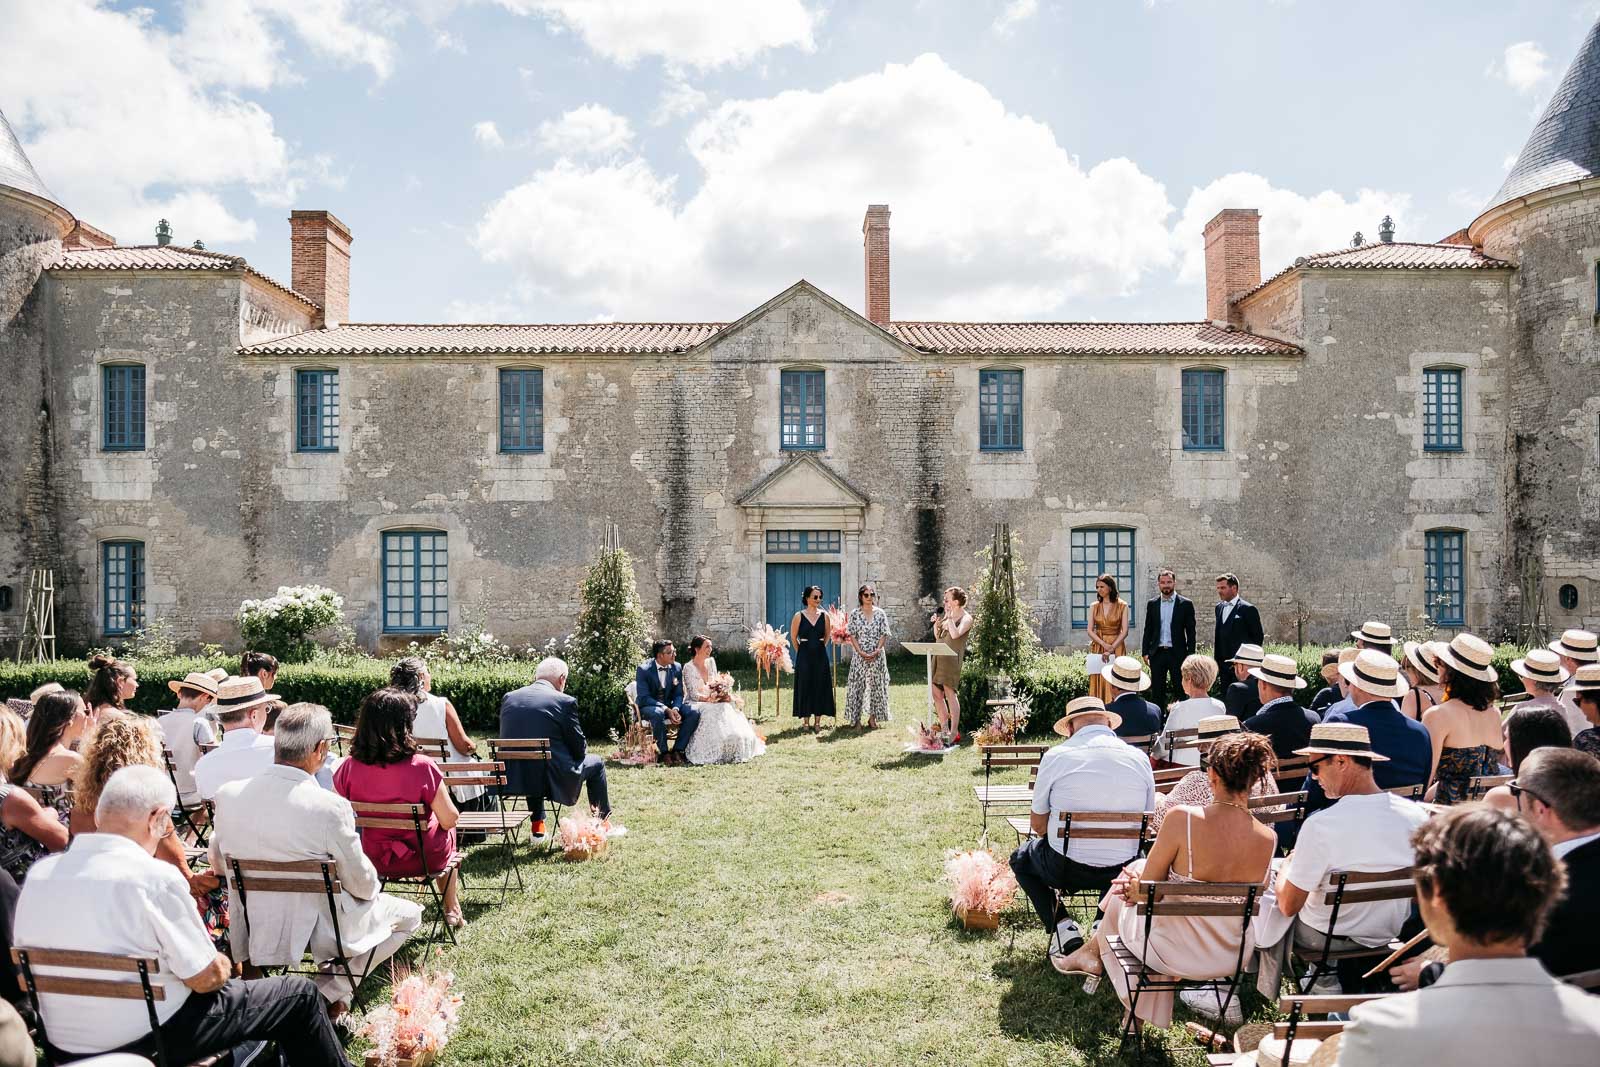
283,623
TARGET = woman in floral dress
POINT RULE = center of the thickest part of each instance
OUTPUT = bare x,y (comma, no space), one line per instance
868,632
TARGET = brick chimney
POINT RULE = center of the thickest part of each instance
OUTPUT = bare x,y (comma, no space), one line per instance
875,239
319,268
1233,259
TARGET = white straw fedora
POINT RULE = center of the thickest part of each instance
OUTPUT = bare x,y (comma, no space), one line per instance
202,683
1340,739
1471,655
1127,674
237,694
1376,673
1270,1053
1420,655
1080,706
1249,655
1541,665
1587,678
1214,726
1374,633
1280,671
1580,645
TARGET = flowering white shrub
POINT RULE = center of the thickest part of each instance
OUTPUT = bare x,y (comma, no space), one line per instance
283,623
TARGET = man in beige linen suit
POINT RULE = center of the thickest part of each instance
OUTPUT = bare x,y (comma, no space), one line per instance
1485,882
283,814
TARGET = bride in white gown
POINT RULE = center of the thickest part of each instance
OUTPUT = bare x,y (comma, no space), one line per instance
724,734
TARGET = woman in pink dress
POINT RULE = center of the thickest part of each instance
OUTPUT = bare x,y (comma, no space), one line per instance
384,767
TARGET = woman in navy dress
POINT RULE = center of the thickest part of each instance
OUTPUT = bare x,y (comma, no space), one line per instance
813,682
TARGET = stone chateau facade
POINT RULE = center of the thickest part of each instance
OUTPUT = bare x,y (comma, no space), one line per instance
1382,431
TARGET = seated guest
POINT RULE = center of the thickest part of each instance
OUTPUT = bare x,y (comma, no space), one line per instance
1331,693
24,708
659,693
1575,648
1542,677
260,666
108,894
437,718
1373,682
1485,884
544,709
1465,729
1194,788
46,765
1374,635
112,683
27,831
188,731
1526,730
1140,718
283,814
1420,665
1285,722
1093,770
1367,830
244,751
1198,674
1585,692
384,767
1242,699
1216,842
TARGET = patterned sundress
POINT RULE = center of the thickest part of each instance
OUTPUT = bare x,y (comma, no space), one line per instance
869,679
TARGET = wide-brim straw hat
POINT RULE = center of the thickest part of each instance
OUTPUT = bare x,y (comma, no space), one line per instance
1541,665
1126,673
218,674
1471,655
1374,633
203,683
1580,645
1081,706
1280,671
1249,655
1214,726
238,694
1376,673
1587,678
1420,657
1268,1051
1340,739
1330,673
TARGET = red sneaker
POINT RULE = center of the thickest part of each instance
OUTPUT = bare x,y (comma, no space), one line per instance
538,828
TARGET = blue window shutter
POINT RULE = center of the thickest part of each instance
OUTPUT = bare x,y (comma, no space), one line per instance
1441,409
122,586
803,410
1000,411
317,411
1097,550
1445,577
416,581
521,410
122,396
1204,401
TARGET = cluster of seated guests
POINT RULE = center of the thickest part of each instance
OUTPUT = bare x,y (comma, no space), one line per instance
93,861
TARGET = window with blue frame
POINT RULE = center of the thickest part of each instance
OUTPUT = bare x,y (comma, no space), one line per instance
1203,410
1441,409
521,410
804,410
416,582
316,411
1000,411
1098,550
122,396
1445,584
122,586
815,542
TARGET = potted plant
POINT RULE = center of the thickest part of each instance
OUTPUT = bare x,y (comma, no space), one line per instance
981,887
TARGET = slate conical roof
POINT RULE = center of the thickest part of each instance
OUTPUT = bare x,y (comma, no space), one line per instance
15,170
1565,145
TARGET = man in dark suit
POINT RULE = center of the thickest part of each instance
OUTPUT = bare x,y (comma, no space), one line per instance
1237,621
543,709
1168,639
1242,697
659,693
1281,718
1140,718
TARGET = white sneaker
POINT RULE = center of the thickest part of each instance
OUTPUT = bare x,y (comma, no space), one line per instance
1208,1002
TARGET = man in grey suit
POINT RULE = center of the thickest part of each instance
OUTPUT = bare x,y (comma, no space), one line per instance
543,709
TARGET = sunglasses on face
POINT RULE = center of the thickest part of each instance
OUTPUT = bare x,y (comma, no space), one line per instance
1517,790
1311,768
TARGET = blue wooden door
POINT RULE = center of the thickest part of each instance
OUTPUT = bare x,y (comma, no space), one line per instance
785,581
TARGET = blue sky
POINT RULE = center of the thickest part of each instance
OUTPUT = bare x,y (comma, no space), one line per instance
573,160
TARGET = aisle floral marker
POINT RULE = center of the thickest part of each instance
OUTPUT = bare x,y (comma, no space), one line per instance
981,887
770,649
584,836
413,1028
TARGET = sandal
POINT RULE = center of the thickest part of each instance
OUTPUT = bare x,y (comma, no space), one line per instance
454,919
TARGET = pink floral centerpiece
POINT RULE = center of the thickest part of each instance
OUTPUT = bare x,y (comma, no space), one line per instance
412,1029
837,620
583,836
981,887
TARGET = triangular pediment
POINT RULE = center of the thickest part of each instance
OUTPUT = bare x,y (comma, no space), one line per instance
817,306
803,481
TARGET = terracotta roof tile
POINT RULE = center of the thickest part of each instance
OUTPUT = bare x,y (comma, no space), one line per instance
1087,338
161,257
409,339
1396,255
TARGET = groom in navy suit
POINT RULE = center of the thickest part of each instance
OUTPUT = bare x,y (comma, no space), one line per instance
659,685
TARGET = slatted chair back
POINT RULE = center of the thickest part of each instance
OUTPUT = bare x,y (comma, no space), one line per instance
253,878
435,748
1188,737
99,988
1482,783
1298,1026
507,749
343,737
1291,769
412,817
1168,777
1133,826
1410,792
1279,807
484,773
1356,887
1142,742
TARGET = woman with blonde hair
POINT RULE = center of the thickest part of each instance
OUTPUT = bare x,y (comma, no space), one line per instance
1108,632
1198,674
27,831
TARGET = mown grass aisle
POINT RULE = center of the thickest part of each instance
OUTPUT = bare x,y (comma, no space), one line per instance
785,911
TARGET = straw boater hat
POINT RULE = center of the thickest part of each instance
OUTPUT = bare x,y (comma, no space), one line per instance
1279,671
218,674
1249,655
237,694
1470,655
1214,726
203,683
1580,645
1541,665
1376,673
1268,1050
1081,706
1374,633
1587,678
1125,673
1420,655
1340,739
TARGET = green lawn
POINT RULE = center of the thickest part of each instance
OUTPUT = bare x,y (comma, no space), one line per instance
786,911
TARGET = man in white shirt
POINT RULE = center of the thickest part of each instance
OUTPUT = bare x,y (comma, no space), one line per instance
245,751
284,814
1093,770
1575,648
107,893
187,731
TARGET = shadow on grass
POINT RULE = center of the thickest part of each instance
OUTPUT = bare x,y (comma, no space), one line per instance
1042,1006
907,761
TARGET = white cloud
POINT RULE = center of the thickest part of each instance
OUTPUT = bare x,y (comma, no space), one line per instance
1013,14
445,41
678,99
590,130
235,42
487,134
1524,67
696,33
1291,224
991,216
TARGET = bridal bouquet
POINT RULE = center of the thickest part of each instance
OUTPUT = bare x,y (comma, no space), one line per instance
770,648
981,886
414,1026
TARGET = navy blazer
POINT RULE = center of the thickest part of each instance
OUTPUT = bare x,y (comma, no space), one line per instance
541,710
1242,628
1182,626
1139,716
1571,941
1242,699
1286,723
649,693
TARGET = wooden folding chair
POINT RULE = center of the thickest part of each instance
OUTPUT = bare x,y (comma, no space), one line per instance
343,737
1169,777
1299,1025
255,878
1272,808
413,817
1135,826
1142,742
119,988
435,748
525,749
498,822
1292,769
183,815
1482,783
1410,792
1014,797
1354,887
1240,900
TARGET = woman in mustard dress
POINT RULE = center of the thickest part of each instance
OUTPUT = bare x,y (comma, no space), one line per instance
1108,631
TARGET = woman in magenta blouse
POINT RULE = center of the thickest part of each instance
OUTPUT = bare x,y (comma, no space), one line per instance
384,767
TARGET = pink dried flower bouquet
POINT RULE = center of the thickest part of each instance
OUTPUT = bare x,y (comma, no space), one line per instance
417,1022
770,648
978,882
583,836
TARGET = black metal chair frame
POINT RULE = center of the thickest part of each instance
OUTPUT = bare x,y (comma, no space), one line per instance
184,813
1122,830
1338,896
492,774
330,887
505,750
390,817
